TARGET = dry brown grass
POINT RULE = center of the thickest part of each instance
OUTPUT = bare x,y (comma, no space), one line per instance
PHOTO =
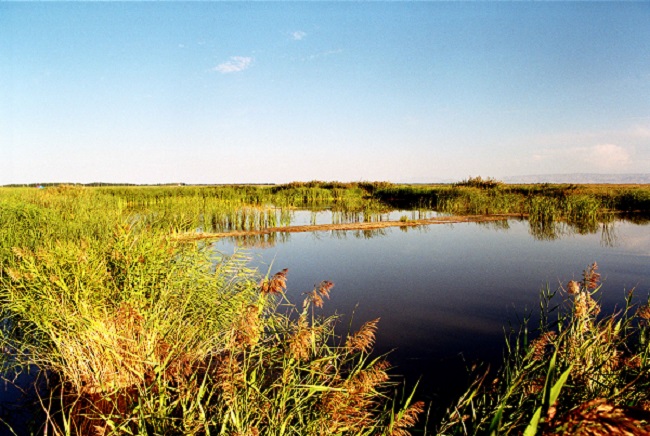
600,417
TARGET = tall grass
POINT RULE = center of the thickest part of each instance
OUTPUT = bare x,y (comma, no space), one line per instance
479,196
138,334
473,200
583,374
116,321
248,207
30,217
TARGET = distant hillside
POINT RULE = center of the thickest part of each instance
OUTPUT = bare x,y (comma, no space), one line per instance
579,178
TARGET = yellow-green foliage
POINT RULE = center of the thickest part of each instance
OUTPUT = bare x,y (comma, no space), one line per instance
117,316
139,334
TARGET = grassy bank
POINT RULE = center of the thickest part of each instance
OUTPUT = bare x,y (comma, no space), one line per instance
128,332
254,207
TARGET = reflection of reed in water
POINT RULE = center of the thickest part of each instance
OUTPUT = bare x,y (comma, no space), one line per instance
549,231
608,234
358,234
495,225
635,218
544,230
266,240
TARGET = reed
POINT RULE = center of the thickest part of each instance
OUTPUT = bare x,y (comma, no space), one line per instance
584,373
244,207
473,200
632,200
116,322
135,332
138,334
407,196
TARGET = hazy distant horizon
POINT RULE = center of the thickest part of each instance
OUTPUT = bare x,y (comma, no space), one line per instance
242,92
579,178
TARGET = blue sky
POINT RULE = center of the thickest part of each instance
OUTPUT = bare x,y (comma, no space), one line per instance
274,92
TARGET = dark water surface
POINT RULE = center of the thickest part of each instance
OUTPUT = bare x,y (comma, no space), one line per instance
445,293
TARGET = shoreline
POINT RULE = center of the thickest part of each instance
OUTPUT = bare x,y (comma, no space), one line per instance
348,226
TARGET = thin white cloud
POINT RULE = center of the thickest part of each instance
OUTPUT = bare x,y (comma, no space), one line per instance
234,65
632,133
624,147
611,155
298,35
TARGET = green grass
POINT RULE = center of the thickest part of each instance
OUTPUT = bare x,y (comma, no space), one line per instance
138,334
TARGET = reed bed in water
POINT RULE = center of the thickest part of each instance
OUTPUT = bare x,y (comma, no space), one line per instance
134,333
478,196
364,225
244,207
138,333
143,336
584,373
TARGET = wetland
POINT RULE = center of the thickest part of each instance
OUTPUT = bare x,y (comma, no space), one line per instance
134,308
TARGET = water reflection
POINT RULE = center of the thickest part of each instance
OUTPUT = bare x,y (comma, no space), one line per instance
549,231
543,225
261,241
450,290
359,234
496,225
608,234
540,230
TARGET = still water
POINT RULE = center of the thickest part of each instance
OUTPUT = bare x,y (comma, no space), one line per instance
446,292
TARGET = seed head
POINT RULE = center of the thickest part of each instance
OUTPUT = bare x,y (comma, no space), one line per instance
277,284
573,287
315,297
407,419
538,346
644,312
363,339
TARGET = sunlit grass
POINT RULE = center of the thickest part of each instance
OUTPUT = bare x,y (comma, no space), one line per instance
138,334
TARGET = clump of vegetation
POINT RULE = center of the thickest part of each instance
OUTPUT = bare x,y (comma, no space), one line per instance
136,333
632,200
125,327
583,374
479,182
407,196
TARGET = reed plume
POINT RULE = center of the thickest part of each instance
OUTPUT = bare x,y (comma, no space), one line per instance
276,284
364,338
319,292
407,419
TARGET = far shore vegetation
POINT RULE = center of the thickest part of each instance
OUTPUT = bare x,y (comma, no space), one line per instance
123,326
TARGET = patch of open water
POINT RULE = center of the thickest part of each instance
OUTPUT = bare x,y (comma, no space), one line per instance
445,293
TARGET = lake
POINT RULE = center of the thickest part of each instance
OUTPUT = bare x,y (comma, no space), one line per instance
446,293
